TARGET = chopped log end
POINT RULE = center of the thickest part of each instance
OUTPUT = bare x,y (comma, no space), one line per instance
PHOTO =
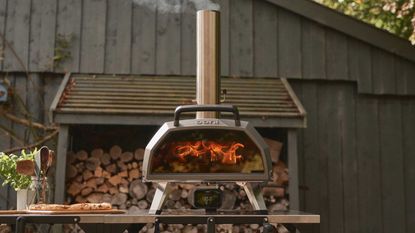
86,191
112,168
275,148
133,174
175,195
87,174
103,188
98,172
80,199
115,152
139,154
274,191
135,165
280,173
122,166
105,159
91,183
92,163
126,157
113,190
123,173
97,153
119,199
142,204
71,171
95,197
74,189
138,189
115,180
123,188
81,155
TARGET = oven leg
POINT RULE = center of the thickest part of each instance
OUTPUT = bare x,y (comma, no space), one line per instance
254,195
20,224
211,228
163,189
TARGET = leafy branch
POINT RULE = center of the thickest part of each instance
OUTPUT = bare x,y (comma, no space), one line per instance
8,171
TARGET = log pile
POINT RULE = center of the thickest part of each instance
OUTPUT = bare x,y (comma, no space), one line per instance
115,176
106,176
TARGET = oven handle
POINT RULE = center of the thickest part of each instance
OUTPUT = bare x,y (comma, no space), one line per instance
208,108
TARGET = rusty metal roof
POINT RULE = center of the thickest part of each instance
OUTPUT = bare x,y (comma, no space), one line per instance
96,98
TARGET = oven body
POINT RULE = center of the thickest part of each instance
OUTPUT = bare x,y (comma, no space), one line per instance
175,141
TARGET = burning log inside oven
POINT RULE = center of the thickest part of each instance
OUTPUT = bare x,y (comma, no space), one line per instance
210,150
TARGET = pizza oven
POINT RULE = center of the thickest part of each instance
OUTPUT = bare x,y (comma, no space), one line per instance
207,149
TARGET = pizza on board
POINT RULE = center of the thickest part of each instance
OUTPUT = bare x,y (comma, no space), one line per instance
73,207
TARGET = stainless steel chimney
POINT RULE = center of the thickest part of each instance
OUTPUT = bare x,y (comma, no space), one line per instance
208,63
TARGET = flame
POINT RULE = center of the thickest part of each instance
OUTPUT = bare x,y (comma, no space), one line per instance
201,149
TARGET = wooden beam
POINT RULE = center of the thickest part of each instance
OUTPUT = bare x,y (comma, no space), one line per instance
61,164
293,169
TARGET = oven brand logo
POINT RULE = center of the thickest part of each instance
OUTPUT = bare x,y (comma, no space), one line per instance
207,122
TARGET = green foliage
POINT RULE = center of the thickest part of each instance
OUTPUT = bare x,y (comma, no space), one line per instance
8,170
395,16
63,45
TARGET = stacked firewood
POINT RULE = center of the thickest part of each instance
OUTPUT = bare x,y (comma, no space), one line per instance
114,176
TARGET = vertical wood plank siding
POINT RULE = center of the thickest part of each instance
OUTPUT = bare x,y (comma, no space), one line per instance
68,29
289,44
265,40
168,40
360,65
42,40
225,6
144,35
241,38
346,102
392,170
313,51
3,14
326,120
118,37
405,77
310,155
358,159
258,39
383,69
408,124
188,42
17,35
336,55
368,162
94,15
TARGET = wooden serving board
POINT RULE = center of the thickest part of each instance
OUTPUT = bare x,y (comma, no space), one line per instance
75,212
12,212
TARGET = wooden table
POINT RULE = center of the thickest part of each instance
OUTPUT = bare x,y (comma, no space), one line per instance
120,222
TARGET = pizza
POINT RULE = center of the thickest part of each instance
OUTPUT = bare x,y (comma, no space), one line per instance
73,207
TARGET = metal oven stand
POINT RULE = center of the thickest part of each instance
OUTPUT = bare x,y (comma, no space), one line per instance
253,192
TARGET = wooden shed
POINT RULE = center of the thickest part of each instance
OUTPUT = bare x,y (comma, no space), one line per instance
356,82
